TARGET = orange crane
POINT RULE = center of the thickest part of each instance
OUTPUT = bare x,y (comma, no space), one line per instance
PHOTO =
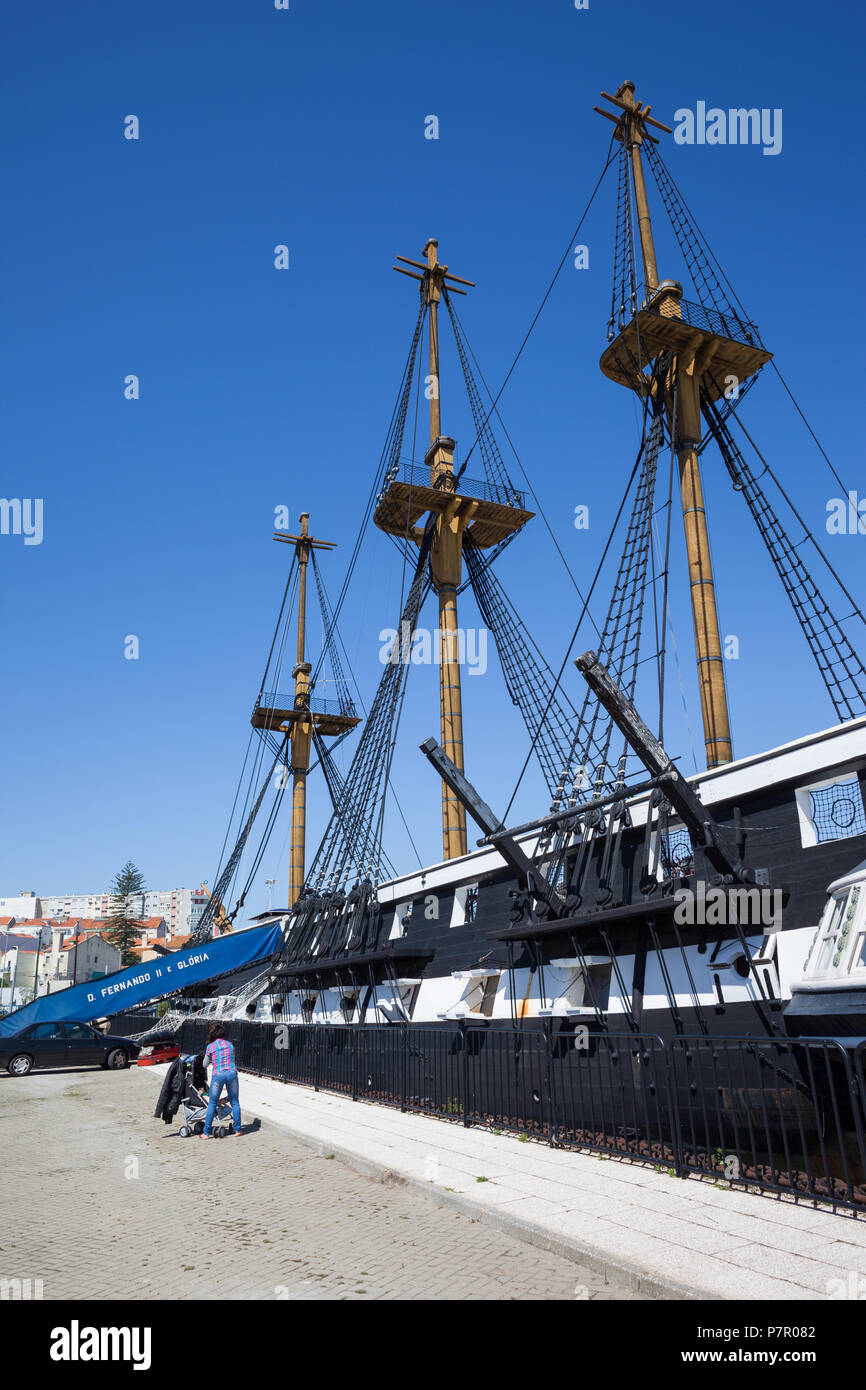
222,925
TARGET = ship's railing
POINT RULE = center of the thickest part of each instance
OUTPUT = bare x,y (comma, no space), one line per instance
710,319
418,475
275,699
781,1115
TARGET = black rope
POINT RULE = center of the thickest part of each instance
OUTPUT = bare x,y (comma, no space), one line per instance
221,888
840,667
583,611
352,839
547,294
495,551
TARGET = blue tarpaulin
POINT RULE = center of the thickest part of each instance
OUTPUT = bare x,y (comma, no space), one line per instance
114,994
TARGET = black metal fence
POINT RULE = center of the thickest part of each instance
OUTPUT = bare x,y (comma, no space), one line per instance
783,1115
277,700
488,491
709,318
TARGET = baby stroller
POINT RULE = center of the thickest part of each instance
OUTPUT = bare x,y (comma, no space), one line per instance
194,1106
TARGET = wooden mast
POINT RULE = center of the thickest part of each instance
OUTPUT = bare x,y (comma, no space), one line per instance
302,729
489,518
682,402
446,552
300,720
446,562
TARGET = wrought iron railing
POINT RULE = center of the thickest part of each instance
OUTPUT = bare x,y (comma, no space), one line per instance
418,475
274,699
710,319
780,1115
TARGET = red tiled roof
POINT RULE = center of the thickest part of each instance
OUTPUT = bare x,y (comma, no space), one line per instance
84,924
82,938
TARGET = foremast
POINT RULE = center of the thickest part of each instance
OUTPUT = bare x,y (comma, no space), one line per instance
301,721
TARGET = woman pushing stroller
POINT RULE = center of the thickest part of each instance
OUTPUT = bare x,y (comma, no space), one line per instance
220,1055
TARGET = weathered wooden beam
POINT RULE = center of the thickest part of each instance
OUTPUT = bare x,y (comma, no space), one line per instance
490,823
699,822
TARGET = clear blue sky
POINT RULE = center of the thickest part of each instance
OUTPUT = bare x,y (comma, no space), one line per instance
259,388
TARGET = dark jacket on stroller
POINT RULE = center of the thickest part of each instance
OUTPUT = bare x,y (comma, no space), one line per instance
173,1087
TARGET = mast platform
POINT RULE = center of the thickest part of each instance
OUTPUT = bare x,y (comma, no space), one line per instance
723,347
489,518
276,711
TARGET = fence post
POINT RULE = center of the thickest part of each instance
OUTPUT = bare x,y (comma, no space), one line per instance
356,1033
404,1063
462,1034
316,1031
674,1106
548,1080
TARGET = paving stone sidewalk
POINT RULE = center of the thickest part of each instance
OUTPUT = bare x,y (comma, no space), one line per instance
102,1201
667,1236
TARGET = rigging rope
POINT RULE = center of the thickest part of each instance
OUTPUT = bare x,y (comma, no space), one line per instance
841,669
528,678
352,840
610,157
203,928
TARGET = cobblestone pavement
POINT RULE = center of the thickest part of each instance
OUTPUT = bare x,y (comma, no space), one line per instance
109,1202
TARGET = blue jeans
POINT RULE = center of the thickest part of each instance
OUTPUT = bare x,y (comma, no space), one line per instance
229,1079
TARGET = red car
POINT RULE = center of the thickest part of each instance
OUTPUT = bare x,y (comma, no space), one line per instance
160,1052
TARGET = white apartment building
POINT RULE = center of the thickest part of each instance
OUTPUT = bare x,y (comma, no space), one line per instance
23,907
80,959
181,907
76,905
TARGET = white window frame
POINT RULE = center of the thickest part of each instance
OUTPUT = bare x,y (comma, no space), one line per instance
400,911
458,907
808,833
846,905
857,900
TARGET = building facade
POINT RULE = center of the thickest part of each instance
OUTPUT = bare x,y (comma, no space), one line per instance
180,907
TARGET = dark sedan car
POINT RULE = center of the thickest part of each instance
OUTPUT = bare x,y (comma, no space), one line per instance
64,1045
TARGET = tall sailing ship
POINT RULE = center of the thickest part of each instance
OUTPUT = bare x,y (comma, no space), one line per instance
641,900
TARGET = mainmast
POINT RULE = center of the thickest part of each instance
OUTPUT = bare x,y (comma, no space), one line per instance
661,325
446,561
489,518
